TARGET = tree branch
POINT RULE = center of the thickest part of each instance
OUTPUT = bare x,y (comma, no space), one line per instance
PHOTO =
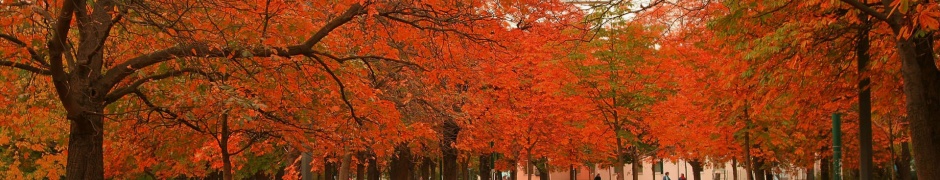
342,89
32,52
163,111
251,141
121,71
870,11
56,49
119,93
364,58
26,67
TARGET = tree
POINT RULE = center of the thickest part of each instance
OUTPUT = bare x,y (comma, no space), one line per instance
103,65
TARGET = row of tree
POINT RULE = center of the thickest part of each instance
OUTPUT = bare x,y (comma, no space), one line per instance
409,89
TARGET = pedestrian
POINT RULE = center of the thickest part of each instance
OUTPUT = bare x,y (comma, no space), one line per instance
597,177
666,176
682,177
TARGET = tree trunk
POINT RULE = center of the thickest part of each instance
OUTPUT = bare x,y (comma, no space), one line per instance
305,159
449,161
329,170
824,169
528,166
426,168
749,166
811,173
227,166
618,170
462,171
768,174
344,167
653,169
360,166
85,155
485,169
227,173
636,166
373,168
734,169
696,169
433,165
573,173
542,168
904,163
513,172
864,100
922,91
401,165
618,166
758,169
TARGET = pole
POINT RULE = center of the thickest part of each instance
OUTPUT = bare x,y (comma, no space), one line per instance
836,146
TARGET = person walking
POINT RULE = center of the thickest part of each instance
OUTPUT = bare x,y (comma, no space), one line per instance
666,176
682,177
597,177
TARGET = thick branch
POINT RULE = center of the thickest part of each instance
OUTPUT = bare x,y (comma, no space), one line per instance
870,11
57,48
347,16
119,93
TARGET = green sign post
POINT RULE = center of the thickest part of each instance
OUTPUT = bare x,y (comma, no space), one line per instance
836,146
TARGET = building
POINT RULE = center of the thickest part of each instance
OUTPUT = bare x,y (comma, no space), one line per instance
647,173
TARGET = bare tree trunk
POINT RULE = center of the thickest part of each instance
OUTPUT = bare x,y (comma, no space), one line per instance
462,172
573,173
305,159
864,100
922,91
344,167
223,145
329,170
373,168
824,169
85,158
401,165
360,166
734,169
528,166
759,169
696,169
749,166
768,174
811,173
485,169
514,172
449,161
618,166
542,169
637,159
904,163
653,169
426,168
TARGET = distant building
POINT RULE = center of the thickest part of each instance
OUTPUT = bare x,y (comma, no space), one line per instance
647,173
